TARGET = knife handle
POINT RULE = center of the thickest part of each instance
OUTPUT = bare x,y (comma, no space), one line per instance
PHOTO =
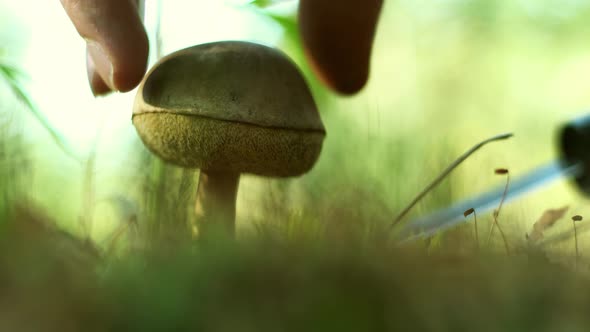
574,141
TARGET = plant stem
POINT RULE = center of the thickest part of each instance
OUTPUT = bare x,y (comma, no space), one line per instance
216,204
576,242
88,201
476,233
497,213
503,236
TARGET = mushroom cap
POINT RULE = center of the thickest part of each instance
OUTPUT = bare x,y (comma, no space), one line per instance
230,106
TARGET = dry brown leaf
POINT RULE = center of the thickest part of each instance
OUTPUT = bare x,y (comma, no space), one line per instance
547,220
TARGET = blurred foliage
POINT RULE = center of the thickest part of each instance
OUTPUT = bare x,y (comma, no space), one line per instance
15,165
13,77
263,284
167,207
266,3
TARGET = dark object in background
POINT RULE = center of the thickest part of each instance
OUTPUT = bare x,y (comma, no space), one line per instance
575,149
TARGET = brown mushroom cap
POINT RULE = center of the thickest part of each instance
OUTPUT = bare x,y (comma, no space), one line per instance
230,106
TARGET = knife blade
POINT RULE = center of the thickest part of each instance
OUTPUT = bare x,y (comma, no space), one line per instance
452,216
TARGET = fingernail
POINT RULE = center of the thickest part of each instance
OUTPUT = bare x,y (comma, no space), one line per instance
97,84
102,63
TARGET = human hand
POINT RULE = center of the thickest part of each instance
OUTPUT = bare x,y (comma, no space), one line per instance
337,38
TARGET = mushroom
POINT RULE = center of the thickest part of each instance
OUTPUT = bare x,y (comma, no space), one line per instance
228,108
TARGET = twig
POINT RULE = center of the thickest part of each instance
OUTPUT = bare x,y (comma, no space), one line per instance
574,219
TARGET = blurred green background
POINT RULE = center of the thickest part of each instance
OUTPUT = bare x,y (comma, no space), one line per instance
445,74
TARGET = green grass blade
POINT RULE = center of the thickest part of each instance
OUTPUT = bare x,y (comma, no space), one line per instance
265,3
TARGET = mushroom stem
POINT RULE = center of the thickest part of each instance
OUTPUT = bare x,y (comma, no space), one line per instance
216,204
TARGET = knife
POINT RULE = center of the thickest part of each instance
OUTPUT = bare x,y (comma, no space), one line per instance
573,162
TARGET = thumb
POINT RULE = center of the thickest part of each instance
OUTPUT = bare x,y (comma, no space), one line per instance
117,44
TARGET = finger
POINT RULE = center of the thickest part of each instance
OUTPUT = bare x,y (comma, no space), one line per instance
97,84
116,39
338,39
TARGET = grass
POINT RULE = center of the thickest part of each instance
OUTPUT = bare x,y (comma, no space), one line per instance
15,162
55,282
328,266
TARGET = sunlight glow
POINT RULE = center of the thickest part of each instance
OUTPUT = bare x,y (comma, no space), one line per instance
54,57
